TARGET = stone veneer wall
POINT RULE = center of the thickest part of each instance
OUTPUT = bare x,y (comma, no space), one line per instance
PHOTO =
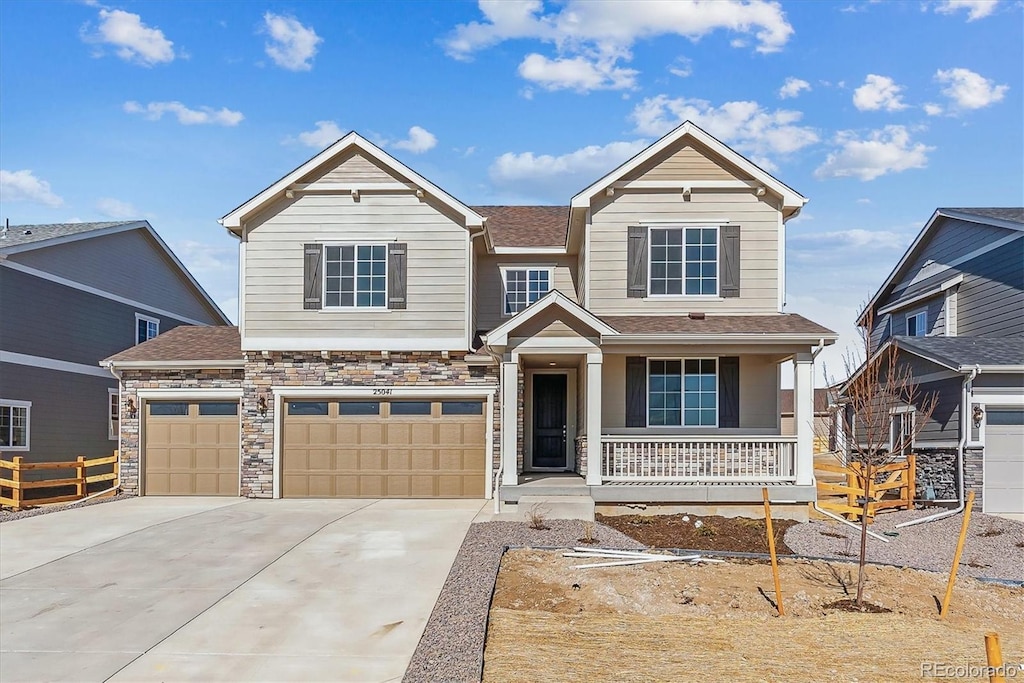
132,381
581,455
937,467
301,369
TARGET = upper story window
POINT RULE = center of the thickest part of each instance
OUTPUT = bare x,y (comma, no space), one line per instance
356,276
523,286
145,328
917,324
113,414
684,261
682,392
14,424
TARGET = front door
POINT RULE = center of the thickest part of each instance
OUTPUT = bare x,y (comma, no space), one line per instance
549,421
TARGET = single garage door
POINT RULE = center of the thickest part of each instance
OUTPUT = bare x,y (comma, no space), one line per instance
191,448
1004,461
384,449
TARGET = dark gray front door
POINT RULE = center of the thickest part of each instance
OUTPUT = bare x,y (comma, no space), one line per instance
549,421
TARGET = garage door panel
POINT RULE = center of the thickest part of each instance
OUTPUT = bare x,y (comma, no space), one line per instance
371,460
180,459
449,486
372,486
399,486
321,434
450,459
399,461
191,454
423,459
1004,461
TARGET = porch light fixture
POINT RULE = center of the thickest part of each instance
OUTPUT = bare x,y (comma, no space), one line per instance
977,414
130,408
261,405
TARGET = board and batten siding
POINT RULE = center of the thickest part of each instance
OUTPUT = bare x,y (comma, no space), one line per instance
490,296
438,262
129,264
759,250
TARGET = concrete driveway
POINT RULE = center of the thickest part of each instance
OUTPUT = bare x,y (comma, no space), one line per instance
169,589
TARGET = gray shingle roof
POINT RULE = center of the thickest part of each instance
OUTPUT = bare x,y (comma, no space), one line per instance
26,234
526,226
966,351
782,324
1014,214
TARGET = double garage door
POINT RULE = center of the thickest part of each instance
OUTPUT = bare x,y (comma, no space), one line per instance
425,448
191,448
1004,461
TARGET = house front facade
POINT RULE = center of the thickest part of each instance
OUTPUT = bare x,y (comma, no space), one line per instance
394,341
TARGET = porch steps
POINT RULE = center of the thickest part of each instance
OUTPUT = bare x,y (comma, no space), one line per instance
579,506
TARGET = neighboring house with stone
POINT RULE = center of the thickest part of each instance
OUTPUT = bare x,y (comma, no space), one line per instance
954,308
824,436
70,295
397,342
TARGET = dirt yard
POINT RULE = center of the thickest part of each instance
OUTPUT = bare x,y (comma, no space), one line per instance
735,534
676,622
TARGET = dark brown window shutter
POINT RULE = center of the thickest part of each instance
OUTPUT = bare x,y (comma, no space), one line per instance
729,391
729,238
313,276
636,257
636,391
398,264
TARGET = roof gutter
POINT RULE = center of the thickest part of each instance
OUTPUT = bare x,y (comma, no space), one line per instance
683,338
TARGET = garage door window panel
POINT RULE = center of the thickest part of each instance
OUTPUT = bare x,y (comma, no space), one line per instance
307,408
219,408
411,408
1005,417
462,408
168,409
366,408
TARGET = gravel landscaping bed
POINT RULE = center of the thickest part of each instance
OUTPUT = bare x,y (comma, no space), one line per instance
452,646
9,515
994,547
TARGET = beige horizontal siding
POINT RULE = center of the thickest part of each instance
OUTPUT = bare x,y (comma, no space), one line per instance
490,296
437,267
354,168
759,271
686,163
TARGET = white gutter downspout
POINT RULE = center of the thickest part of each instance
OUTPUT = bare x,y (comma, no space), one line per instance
965,427
814,354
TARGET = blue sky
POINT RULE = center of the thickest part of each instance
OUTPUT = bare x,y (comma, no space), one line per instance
178,111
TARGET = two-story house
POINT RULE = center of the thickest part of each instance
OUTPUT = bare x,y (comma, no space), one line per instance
954,308
70,295
395,341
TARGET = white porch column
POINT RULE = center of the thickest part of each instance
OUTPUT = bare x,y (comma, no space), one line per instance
803,416
594,419
509,422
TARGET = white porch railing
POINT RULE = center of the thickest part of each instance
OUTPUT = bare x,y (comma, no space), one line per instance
696,459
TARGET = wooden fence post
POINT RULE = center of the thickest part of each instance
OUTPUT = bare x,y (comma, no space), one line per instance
80,475
117,469
16,480
911,480
995,658
956,556
771,549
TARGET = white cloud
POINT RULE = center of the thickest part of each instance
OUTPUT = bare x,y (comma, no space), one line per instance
878,92
154,111
889,150
547,177
863,200
932,109
325,133
115,208
682,67
24,186
419,141
599,35
793,87
576,73
133,40
976,9
747,126
857,237
969,90
292,46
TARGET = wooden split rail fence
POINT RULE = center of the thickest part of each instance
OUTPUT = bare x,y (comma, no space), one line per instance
13,488
843,499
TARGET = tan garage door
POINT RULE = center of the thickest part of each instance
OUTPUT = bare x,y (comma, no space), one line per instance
384,449
191,448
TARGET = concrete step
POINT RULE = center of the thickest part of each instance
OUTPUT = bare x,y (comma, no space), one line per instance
557,507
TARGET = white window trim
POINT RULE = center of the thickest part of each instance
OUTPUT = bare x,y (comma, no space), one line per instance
920,313
903,410
355,309
148,319
113,400
717,296
504,270
27,405
682,393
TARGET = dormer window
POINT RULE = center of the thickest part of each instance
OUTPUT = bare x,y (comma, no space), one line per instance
523,286
917,324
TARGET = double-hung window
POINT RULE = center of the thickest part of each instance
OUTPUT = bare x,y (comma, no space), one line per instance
145,328
523,286
902,435
917,324
356,276
682,392
684,261
14,425
113,414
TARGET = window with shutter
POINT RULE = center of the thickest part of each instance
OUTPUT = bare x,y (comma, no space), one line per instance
312,280
398,264
636,259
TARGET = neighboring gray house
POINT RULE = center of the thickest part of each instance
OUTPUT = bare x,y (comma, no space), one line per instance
70,295
954,308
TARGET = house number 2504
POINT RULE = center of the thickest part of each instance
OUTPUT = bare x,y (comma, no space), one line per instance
382,392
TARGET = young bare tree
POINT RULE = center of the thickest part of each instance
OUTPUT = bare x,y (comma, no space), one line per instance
888,410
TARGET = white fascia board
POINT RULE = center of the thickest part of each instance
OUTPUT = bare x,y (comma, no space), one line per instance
499,335
927,294
175,364
790,197
1012,369
233,220
190,393
386,390
285,344
529,250
54,241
